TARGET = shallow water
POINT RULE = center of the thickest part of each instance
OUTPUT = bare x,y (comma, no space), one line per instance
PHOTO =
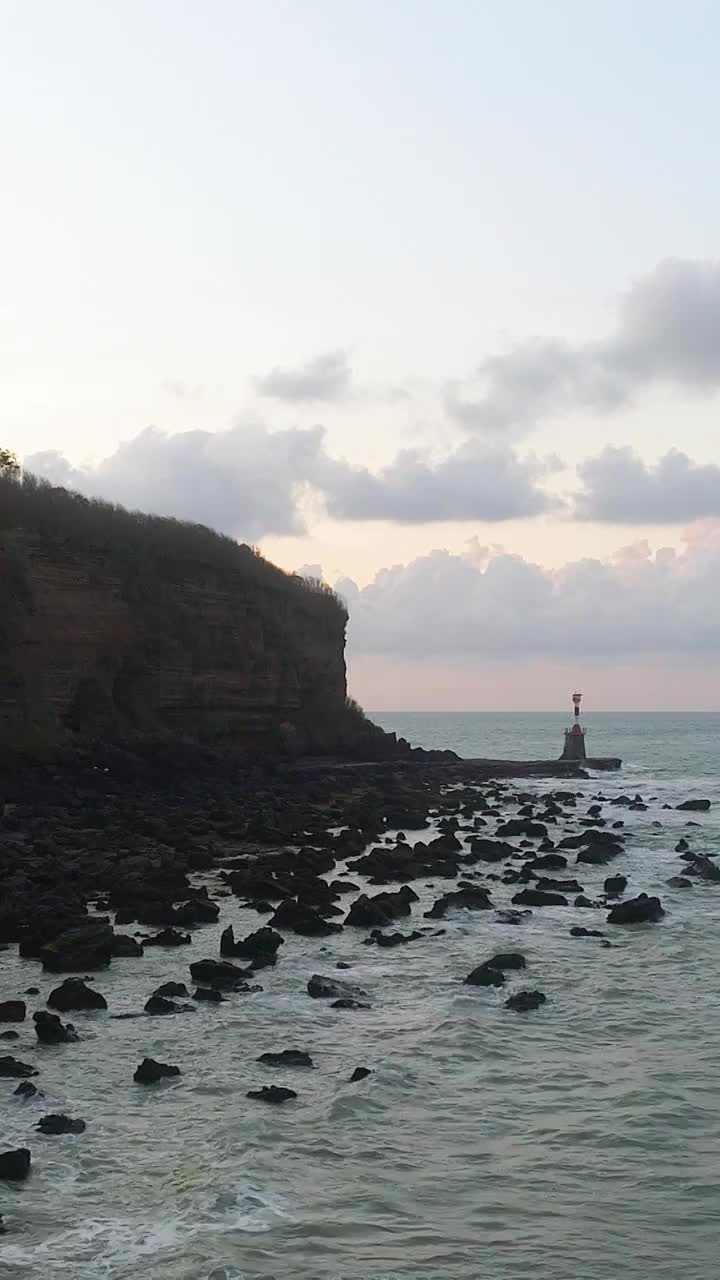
580,1141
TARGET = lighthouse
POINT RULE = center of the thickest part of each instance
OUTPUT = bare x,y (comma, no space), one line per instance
575,736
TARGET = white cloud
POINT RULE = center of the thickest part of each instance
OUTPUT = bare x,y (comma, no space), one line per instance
618,486
326,377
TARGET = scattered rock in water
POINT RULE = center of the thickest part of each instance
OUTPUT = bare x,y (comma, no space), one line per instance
13,1011
636,910
343,964
475,899
485,976
272,1093
25,1090
380,939
347,1002
15,1165
614,886
32,991
549,862
12,1069
159,1006
9,1035
210,995
150,1071
85,946
260,945
578,931
322,988
50,1030
504,960
218,973
509,916
73,994
57,1124
587,903
171,990
704,868
168,938
523,1001
679,882
682,846
696,806
537,898
287,1058
125,946
360,1073
523,827
299,918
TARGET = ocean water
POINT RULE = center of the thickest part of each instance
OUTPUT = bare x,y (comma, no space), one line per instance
580,1142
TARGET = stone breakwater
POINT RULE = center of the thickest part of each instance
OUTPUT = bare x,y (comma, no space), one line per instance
102,868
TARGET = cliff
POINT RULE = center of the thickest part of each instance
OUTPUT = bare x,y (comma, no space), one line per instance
114,623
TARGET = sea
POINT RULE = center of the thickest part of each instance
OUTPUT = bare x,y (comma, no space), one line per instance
578,1142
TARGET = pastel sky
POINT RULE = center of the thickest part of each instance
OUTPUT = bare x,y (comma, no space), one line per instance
423,297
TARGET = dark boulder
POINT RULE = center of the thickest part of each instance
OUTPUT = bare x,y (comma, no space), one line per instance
9,1035
347,1002
218,973
599,855
475,899
125,946
299,918
587,903
523,827
50,1030
549,862
287,1058
705,868
13,1011
322,988
171,990
150,1071
615,885
523,1001
25,1090
260,945
12,1069
504,960
682,846
209,995
547,885
536,898
57,1124
15,1165
694,806
679,882
168,938
271,1093
485,976
73,994
160,1006
380,939
86,946
636,910
578,931
360,1073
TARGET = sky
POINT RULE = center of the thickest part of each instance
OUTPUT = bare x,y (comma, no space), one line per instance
423,299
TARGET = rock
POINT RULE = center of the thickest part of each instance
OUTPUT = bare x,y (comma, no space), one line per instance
636,910
705,868
124,945
149,1071
488,850
287,1058
302,919
505,960
682,846
73,994
218,973
511,916
523,1001
523,827
13,1011
50,1030
549,862
679,882
85,946
25,1090
343,964
485,976
537,898
168,938
694,806
321,988
57,1124
12,1069
582,901
474,899
9,1035
171,989
598,855
578,931
615,885
160,1006
271,1093
32,991
210,995
346,1002
380,939
15,1165
360,1073
260,945
547,885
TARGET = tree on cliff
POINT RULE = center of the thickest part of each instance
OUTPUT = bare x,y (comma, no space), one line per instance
9,465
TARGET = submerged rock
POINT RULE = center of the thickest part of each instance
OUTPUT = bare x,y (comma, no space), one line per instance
159,1006
150,1071
25,1090
347,1002
287,1058
523,1001
271,1093
12,1069
475,899
209,995
302,919
578,931
679,882
57,1124
171,989
73,994
168,938
636,910
537,898
322,988
485,976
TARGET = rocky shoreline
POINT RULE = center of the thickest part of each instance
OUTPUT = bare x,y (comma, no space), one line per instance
107,853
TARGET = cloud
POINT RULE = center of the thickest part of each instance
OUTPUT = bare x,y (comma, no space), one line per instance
182,390
448,605
618,486
326,377
250,482
667,330
475,482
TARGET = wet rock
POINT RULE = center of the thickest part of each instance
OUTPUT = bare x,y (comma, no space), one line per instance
73,994
523,827
50,1030
322,988
168,938
124,945
32,991
586,903
86,946
197,910
25,1090
705,868
12,1069
150,1071
523,1001
549,862
547,885
485,976
15,1165
509,916
488,850
507,960
615,885
273,1093
636,910
360,1073
343,964
599,855
578,931
346,1002
679,882
218,973
299,918
57,1124
263,944
160,1006
9,1035
210,995
13,1011
475,899
171,990
695,806
380,939
379,910
682,846
287,1058
537,898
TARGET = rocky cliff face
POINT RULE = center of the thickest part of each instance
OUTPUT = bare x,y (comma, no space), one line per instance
95,640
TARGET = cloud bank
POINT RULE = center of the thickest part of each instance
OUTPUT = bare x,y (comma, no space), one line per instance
619,487
325,378
667,330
